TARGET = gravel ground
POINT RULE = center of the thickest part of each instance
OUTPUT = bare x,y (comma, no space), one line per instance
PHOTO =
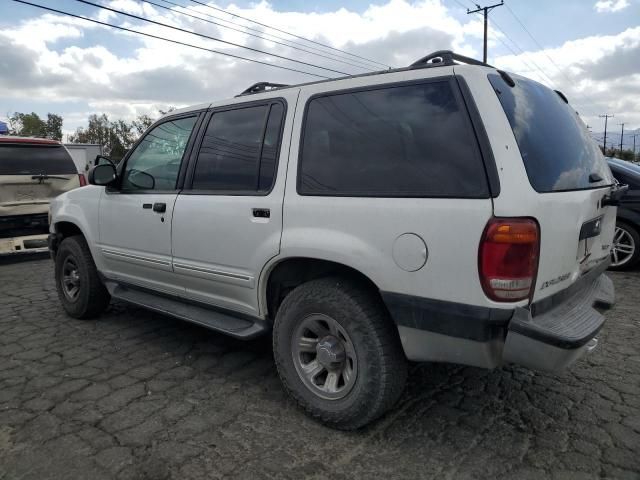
136,395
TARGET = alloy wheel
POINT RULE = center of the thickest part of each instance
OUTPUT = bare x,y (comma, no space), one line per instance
324,357
623,247
70,279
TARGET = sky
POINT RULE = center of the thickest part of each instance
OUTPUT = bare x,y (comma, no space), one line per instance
588,49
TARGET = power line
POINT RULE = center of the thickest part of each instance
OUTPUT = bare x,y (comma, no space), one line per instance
544,76
168,39
544,52
525,54
262,32
184,30
287,33
338,59
485,11
537,43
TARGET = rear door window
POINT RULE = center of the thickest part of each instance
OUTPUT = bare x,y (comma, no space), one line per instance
239,150
35,159
402,141
557,150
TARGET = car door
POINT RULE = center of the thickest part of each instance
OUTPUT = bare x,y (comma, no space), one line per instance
228,220
135,218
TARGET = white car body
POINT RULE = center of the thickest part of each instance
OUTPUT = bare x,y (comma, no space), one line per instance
213,251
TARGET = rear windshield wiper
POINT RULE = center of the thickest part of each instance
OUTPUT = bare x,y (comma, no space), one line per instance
44,176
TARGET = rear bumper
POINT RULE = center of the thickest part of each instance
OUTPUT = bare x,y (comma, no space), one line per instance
22,245
549,335
556,338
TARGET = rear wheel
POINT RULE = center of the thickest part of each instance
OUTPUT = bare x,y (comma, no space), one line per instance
625,250
337,352
80,289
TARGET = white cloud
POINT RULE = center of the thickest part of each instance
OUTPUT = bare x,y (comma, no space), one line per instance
610,5
598,74
124,74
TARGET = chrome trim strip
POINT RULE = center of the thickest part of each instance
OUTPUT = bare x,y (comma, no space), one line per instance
212,272
135,257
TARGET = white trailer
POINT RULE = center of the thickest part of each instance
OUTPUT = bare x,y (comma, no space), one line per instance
83,154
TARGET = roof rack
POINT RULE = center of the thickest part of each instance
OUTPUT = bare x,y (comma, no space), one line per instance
262,87
435,59
446,57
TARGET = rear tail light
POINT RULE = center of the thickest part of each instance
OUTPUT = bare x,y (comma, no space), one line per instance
83,181
508,258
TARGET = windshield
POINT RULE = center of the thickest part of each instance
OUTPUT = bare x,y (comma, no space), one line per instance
35,159
556,148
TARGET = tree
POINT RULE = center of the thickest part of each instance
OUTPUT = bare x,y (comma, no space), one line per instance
53,126
115,137
141,123
31,125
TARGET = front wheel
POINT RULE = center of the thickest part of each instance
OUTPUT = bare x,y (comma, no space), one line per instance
625,250
80,289
338,353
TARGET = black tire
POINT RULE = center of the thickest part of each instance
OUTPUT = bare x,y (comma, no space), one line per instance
91,298
632,261
381,364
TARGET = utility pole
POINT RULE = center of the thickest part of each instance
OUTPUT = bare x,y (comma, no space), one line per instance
634,145
621,137
606,117
485,11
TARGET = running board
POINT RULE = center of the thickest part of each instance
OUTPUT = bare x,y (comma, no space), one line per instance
229,324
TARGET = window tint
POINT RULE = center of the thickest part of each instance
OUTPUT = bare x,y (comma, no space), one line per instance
155,163
410,140
557,150
239,150
35,159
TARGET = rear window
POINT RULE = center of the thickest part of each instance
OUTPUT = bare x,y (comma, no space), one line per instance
556,148
35,159
401,141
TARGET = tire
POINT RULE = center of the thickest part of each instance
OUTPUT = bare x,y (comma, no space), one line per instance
371,344
630,239
91,297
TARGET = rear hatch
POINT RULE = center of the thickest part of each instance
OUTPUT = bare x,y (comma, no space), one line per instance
570,178
31,174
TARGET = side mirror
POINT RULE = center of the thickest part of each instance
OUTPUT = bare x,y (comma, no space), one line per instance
102,160
104,174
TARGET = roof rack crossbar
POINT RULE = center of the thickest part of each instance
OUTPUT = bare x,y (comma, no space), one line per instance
446,57
262,87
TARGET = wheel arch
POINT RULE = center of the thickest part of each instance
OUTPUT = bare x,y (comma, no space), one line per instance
283,275
64,229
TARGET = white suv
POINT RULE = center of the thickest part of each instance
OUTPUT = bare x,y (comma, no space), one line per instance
440,212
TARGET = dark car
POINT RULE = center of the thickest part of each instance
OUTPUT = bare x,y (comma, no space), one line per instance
625,251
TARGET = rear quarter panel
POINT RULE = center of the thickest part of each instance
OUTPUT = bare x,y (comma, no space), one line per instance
559,214
361,232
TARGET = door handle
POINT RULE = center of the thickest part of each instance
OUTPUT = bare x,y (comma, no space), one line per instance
159,207
146,206
261,212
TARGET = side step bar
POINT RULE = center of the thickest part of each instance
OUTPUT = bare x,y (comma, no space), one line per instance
244,328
